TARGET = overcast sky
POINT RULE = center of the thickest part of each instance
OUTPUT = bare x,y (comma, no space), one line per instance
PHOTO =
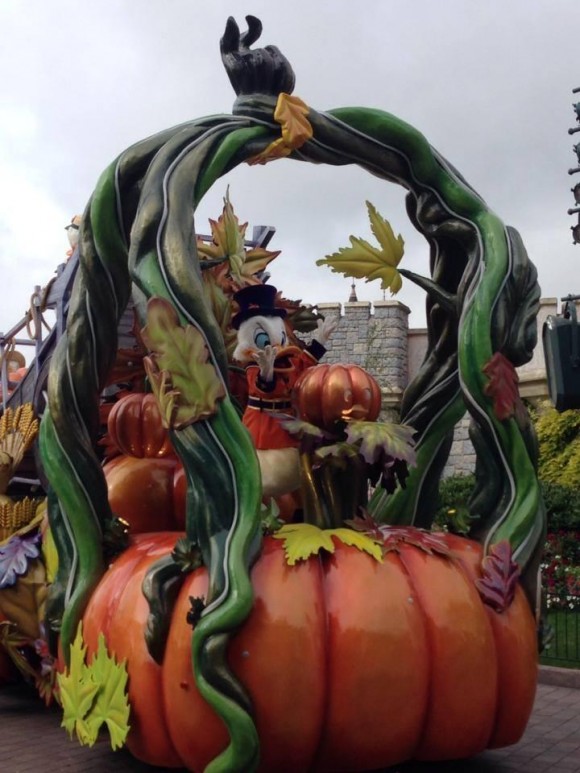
489,84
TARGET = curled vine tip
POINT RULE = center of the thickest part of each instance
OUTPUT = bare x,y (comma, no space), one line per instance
261,71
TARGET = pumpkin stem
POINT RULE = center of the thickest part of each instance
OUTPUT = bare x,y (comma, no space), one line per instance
352,485
314,512
331,493
334,503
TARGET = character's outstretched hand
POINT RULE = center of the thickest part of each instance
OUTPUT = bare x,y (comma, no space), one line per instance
325,328
265,359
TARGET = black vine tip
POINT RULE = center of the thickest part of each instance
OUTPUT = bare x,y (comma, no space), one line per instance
260,71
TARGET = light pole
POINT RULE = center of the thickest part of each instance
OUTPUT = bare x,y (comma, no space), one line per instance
561,333
576,189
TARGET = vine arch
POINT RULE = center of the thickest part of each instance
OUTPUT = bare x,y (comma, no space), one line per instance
138,237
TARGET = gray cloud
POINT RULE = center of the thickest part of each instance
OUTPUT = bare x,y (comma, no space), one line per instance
489,85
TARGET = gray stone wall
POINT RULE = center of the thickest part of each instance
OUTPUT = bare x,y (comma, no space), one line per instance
462,455
377,337
374,336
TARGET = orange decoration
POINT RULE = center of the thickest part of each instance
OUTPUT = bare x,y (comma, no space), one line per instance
135,427
325,394
292,115
452,675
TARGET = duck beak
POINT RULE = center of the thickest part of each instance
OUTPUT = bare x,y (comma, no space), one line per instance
285,351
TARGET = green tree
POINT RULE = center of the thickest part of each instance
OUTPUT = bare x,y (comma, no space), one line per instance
559,445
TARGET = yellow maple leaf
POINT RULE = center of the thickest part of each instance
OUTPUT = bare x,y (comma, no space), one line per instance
111,706
94,694
303,540
78,690
363,261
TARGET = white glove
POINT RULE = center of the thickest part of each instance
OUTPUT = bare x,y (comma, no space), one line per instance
265,360
325,328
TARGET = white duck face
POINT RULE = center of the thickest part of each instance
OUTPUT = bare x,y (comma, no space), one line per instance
258,333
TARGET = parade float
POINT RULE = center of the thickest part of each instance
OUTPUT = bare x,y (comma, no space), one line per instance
241,569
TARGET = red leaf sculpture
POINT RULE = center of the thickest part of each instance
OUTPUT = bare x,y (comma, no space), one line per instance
503,386
394,536
497,586
367,524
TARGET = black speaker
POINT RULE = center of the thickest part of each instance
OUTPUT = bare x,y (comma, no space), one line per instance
561,339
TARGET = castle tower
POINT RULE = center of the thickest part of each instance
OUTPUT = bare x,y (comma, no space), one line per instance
376,341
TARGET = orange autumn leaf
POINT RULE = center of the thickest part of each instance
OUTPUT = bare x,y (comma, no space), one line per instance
291,113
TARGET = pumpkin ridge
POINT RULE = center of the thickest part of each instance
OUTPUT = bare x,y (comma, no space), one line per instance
517,608
399,555
152,554
463,643
472,569
144,550
322,558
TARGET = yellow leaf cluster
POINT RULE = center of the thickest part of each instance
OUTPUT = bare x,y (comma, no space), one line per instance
303,540
94,694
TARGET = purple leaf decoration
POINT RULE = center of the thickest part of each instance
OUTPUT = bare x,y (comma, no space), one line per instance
15,556
366,524
497,586
394,536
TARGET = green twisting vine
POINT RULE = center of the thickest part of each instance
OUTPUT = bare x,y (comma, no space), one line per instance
151,193
161,259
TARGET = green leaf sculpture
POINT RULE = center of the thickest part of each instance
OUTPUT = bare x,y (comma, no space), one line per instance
186,385
382,438
388,449
363,261
94,694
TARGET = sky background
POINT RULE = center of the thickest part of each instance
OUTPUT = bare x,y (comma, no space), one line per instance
489,84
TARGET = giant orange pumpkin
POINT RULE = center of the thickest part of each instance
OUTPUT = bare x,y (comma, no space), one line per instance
351,664
134,426
325,394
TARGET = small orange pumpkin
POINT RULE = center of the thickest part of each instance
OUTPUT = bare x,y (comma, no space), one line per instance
147,493
17,375
135,427
325,394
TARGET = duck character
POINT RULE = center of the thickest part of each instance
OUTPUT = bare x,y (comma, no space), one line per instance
272,368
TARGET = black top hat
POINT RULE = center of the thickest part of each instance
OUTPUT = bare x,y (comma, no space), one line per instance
254,301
